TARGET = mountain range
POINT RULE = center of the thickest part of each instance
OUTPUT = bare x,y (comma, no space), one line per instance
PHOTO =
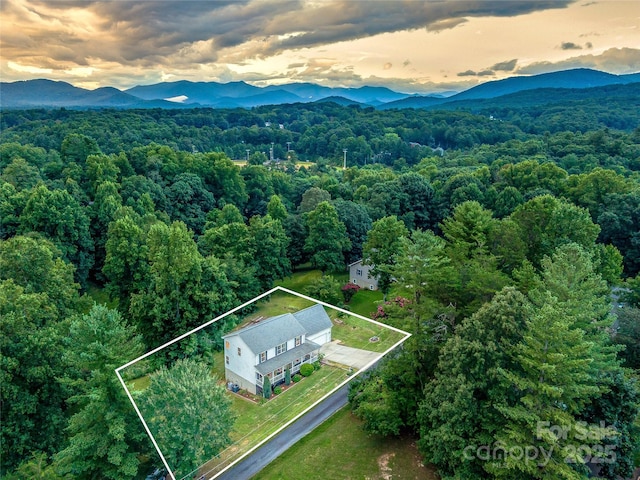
185,94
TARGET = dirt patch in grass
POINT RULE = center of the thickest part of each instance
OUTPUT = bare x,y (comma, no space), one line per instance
383,464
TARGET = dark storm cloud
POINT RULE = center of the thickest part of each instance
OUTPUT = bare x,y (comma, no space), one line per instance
467,73
506,66
570,46
191,32
146,32
348,20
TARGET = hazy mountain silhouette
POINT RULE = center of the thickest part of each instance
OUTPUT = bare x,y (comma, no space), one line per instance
186,94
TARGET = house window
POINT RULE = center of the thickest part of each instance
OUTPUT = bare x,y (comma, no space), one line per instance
226,345
370,287
354,281
258,377
359,272
239,352
297,362
281,348
278,371
298,340
263,357
226,359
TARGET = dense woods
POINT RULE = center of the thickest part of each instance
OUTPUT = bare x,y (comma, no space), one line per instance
498,238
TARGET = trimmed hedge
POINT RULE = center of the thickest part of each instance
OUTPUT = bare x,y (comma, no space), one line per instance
306,370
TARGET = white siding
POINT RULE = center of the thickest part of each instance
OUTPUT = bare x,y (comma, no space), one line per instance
322,337
241,368
361,275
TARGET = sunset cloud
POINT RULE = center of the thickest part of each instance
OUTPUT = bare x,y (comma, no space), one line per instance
570,46
630,57
507,66
123,43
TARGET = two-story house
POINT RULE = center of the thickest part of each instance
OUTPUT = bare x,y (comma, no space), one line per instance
360,274
271,346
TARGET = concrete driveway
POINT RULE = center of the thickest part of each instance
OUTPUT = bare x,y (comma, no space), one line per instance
348,356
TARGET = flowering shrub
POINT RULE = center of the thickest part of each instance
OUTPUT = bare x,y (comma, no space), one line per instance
379,313
349,290
398,301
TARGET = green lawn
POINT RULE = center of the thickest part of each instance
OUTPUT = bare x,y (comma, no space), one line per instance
278,303
299,280
339,448
355,332
365,302
349,329
256,421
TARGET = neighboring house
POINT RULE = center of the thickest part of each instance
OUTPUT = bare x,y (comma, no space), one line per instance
270,346
361,275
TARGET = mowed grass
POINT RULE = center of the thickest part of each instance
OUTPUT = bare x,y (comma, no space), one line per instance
256,421
278,303
300,279
357,333
340,449
350,330
364,303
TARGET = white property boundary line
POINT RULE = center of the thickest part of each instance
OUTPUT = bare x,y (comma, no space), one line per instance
204,325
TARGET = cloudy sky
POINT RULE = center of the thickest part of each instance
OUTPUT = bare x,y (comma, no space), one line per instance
410,46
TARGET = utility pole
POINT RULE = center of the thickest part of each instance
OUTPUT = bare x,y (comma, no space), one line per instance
344,161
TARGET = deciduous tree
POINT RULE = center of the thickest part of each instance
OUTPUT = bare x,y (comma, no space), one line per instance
381,247
327,240
189,414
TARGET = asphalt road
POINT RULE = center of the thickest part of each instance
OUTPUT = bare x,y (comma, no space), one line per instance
261,457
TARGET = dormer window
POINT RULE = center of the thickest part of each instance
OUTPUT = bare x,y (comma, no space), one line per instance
298,340
263,357
239,352
281,348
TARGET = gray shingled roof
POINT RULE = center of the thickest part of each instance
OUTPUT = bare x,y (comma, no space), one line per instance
314,319
270,332
287,357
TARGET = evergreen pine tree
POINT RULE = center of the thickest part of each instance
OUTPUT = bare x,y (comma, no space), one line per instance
266,387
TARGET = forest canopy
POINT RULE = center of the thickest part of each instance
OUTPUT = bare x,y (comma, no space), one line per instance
492,234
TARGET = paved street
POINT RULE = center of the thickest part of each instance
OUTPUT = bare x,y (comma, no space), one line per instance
285,439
